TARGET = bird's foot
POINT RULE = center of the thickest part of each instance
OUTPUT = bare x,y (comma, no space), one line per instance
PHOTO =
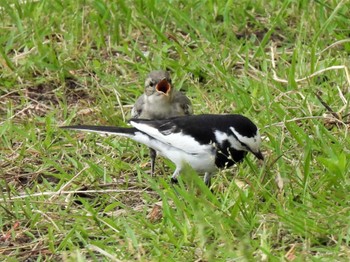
207,179
174,180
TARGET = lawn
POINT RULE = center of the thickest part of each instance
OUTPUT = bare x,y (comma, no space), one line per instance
70,196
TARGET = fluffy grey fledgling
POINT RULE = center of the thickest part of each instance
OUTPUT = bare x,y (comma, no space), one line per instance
160,101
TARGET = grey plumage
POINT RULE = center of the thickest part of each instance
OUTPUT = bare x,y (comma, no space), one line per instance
160,101
154,104
180,105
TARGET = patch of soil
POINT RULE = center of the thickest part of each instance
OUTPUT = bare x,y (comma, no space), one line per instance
41,97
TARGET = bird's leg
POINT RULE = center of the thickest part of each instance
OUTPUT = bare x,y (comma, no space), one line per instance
175,175
153,155
207,178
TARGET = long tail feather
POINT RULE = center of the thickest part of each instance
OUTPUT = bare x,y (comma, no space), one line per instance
112,130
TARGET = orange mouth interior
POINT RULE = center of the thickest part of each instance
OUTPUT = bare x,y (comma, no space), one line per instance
163,87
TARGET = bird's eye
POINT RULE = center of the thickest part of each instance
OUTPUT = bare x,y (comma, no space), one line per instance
151,84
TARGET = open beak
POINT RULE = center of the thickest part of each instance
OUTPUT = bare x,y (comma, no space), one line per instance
163,87
259,155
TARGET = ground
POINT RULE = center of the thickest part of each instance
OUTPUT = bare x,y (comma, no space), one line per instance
68,196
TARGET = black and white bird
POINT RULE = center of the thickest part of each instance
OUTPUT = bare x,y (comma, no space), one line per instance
160,101
205,142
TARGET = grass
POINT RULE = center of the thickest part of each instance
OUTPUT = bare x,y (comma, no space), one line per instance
80,197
